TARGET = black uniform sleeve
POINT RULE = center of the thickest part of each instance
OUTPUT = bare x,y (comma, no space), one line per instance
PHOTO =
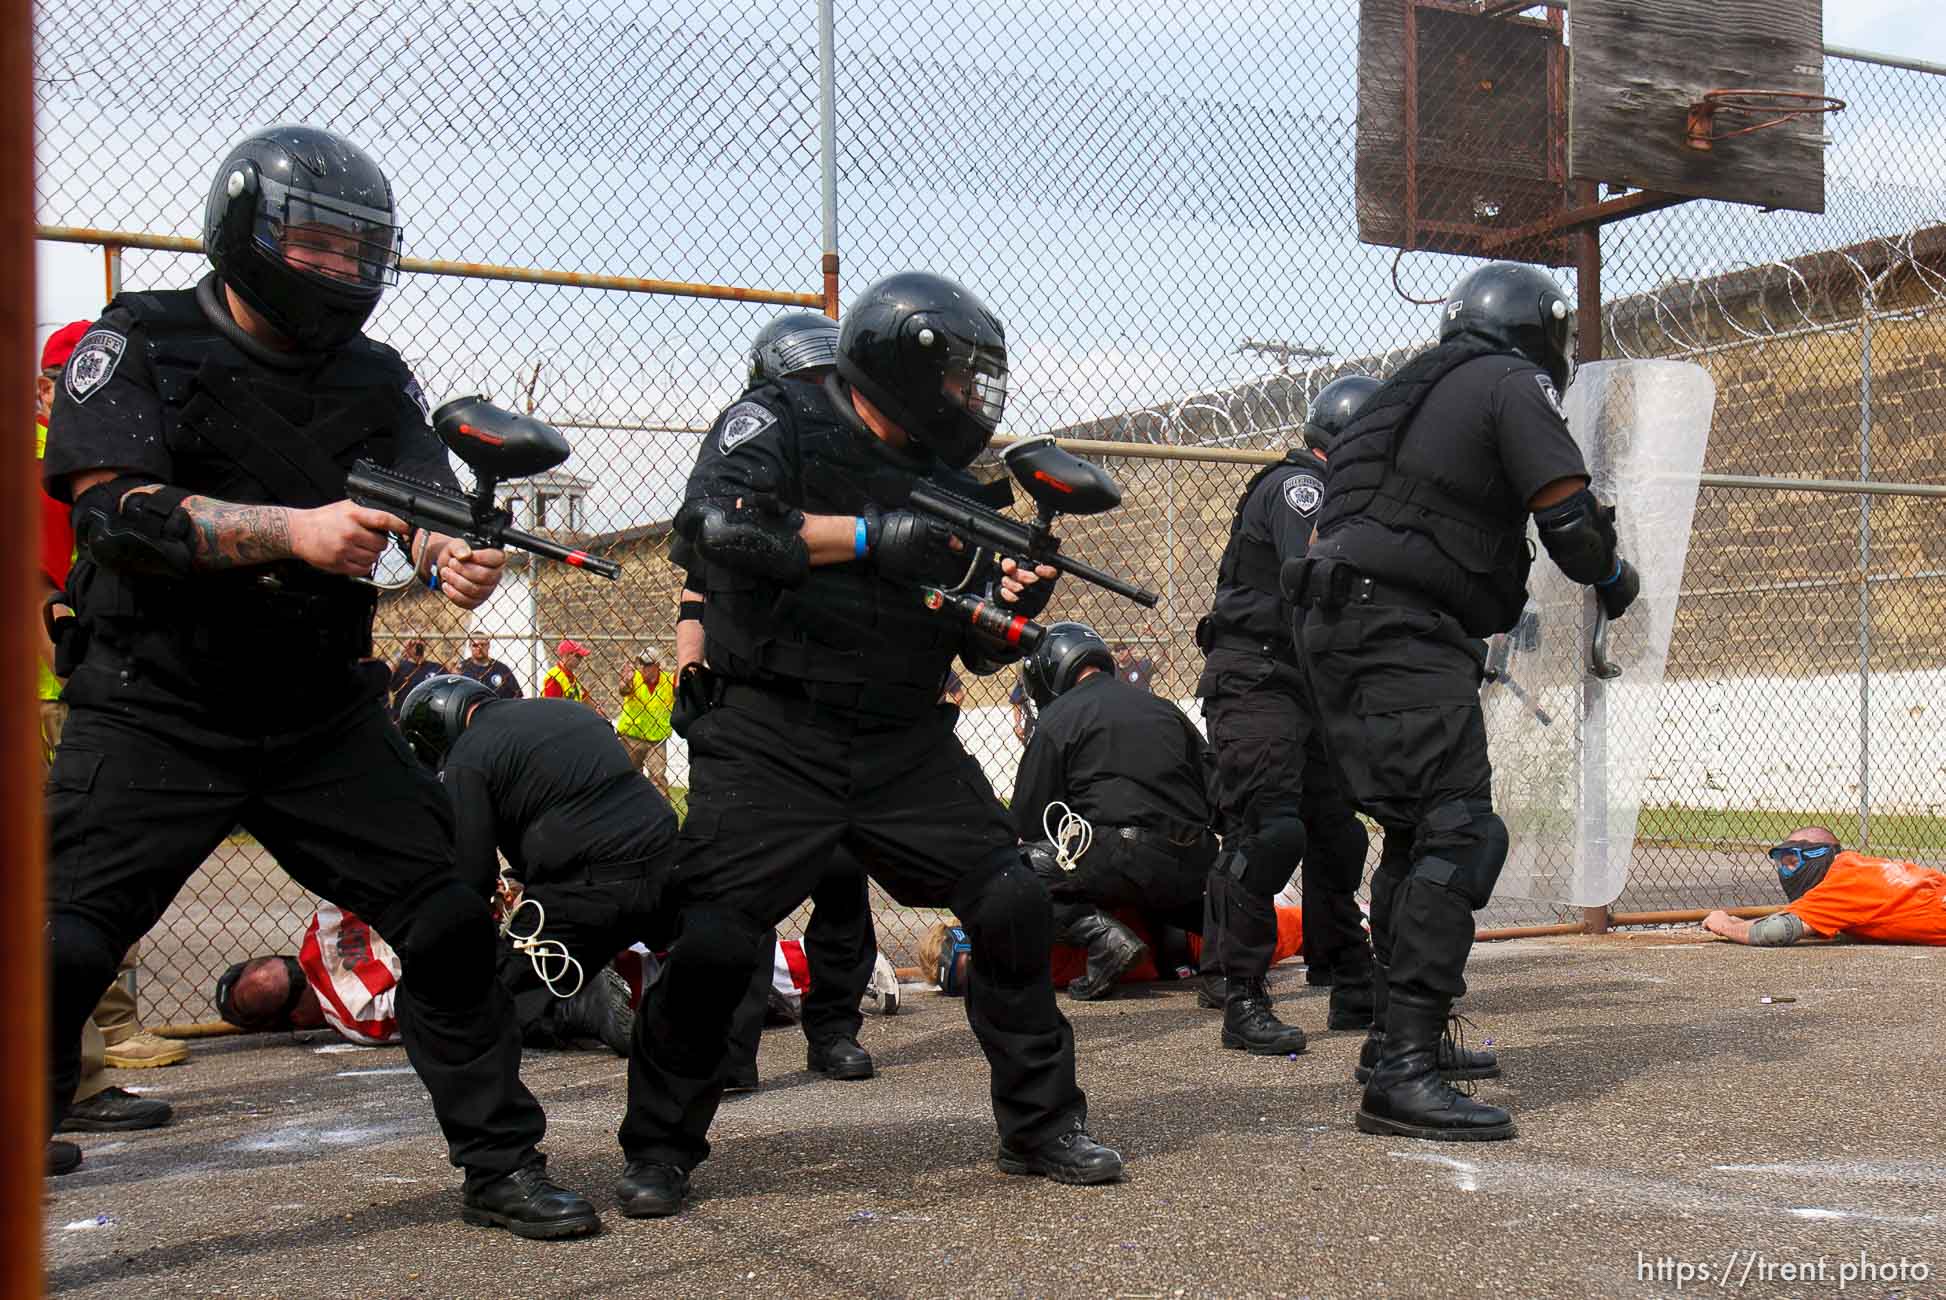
420,452
747,450
1535,445
106,412
1293,510
1041,781
475,844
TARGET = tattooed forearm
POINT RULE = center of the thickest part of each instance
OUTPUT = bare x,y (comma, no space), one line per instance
229,536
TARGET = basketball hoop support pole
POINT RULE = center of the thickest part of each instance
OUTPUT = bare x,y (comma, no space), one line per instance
1594,691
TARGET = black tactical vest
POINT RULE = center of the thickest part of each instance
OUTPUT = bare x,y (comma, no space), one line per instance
1248,561
242,432
1486,557
844,633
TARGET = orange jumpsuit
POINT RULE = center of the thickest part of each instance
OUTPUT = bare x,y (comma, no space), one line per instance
1879,899
1070,962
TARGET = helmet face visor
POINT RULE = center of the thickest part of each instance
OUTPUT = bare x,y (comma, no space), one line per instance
329,240
975,381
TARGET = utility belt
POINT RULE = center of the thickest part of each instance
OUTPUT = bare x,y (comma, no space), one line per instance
600,873
848,703
1175,839
1211,637
1331,584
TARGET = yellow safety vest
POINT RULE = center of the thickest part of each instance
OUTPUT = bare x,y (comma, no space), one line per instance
645,713
50,684
570,688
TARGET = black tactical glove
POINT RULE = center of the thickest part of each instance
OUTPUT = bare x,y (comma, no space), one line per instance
1620,591
1033,598
910,546
695,691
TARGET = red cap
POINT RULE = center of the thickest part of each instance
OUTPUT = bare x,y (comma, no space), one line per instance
61,344
569,647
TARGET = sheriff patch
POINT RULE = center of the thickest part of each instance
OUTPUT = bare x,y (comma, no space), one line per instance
1303,493
1553,398
418,395
94,360
741,423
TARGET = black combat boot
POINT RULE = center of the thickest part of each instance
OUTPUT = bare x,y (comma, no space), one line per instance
1112,948
1072,1157
1456,1061
1212,990
649,1190
840,1058
1354,999
1250,1026
62,1158
600,1010
528,1203
1406,1097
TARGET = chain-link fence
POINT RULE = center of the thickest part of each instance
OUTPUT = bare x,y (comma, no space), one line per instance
1165,204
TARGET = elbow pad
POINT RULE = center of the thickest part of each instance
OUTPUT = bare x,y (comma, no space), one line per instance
758,538
1579,534
135,532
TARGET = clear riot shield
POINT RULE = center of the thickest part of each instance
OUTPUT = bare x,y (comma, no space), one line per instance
1569,740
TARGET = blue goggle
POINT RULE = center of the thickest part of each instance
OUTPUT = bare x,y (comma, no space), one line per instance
1789,857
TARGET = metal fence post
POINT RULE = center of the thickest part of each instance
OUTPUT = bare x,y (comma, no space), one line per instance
1594,691
828,150
1866,303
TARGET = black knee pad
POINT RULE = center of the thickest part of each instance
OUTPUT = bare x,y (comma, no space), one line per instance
1005,912
1264,860
1462,846
447,944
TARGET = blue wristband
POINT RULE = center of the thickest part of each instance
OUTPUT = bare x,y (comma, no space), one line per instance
860,539
432,578
1610,579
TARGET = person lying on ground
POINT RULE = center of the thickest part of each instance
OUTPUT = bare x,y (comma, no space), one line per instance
1836,894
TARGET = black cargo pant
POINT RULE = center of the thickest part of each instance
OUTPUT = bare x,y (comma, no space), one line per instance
840,949
1398,690
776,784
137,800
594,916
1279,803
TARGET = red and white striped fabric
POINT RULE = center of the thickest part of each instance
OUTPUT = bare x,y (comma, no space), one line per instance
791,975
355,974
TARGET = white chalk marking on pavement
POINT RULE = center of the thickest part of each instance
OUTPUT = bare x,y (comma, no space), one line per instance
383,1069
1468,1179
329,1048
1915,1172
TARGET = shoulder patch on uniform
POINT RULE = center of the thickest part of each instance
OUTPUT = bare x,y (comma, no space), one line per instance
1553,398
743,422
1303,493
418,395
94,360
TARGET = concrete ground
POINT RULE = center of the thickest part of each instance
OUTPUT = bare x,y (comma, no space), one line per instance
1670,1119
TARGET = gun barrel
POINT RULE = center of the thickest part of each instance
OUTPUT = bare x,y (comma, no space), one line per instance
426,505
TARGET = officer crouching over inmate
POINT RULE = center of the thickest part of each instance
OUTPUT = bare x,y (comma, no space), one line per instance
1421,552
1112,800
1279,800
588,838
203,437
823,674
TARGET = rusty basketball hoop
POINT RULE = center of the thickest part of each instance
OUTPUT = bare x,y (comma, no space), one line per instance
1776,106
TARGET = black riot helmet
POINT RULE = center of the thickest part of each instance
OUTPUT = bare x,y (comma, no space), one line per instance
1332,409
930,356
1056,664
301,224
1517,307
793,344
435,713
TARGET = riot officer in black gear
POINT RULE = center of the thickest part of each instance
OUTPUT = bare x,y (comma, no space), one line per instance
821,724
203,438
1131,767
1421,552
1279,801
840,942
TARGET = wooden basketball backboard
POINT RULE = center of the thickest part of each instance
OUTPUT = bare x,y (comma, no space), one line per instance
1636,67
1461,126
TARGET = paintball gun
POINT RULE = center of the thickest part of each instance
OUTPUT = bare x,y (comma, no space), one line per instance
1526,635
1059,483
496,444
